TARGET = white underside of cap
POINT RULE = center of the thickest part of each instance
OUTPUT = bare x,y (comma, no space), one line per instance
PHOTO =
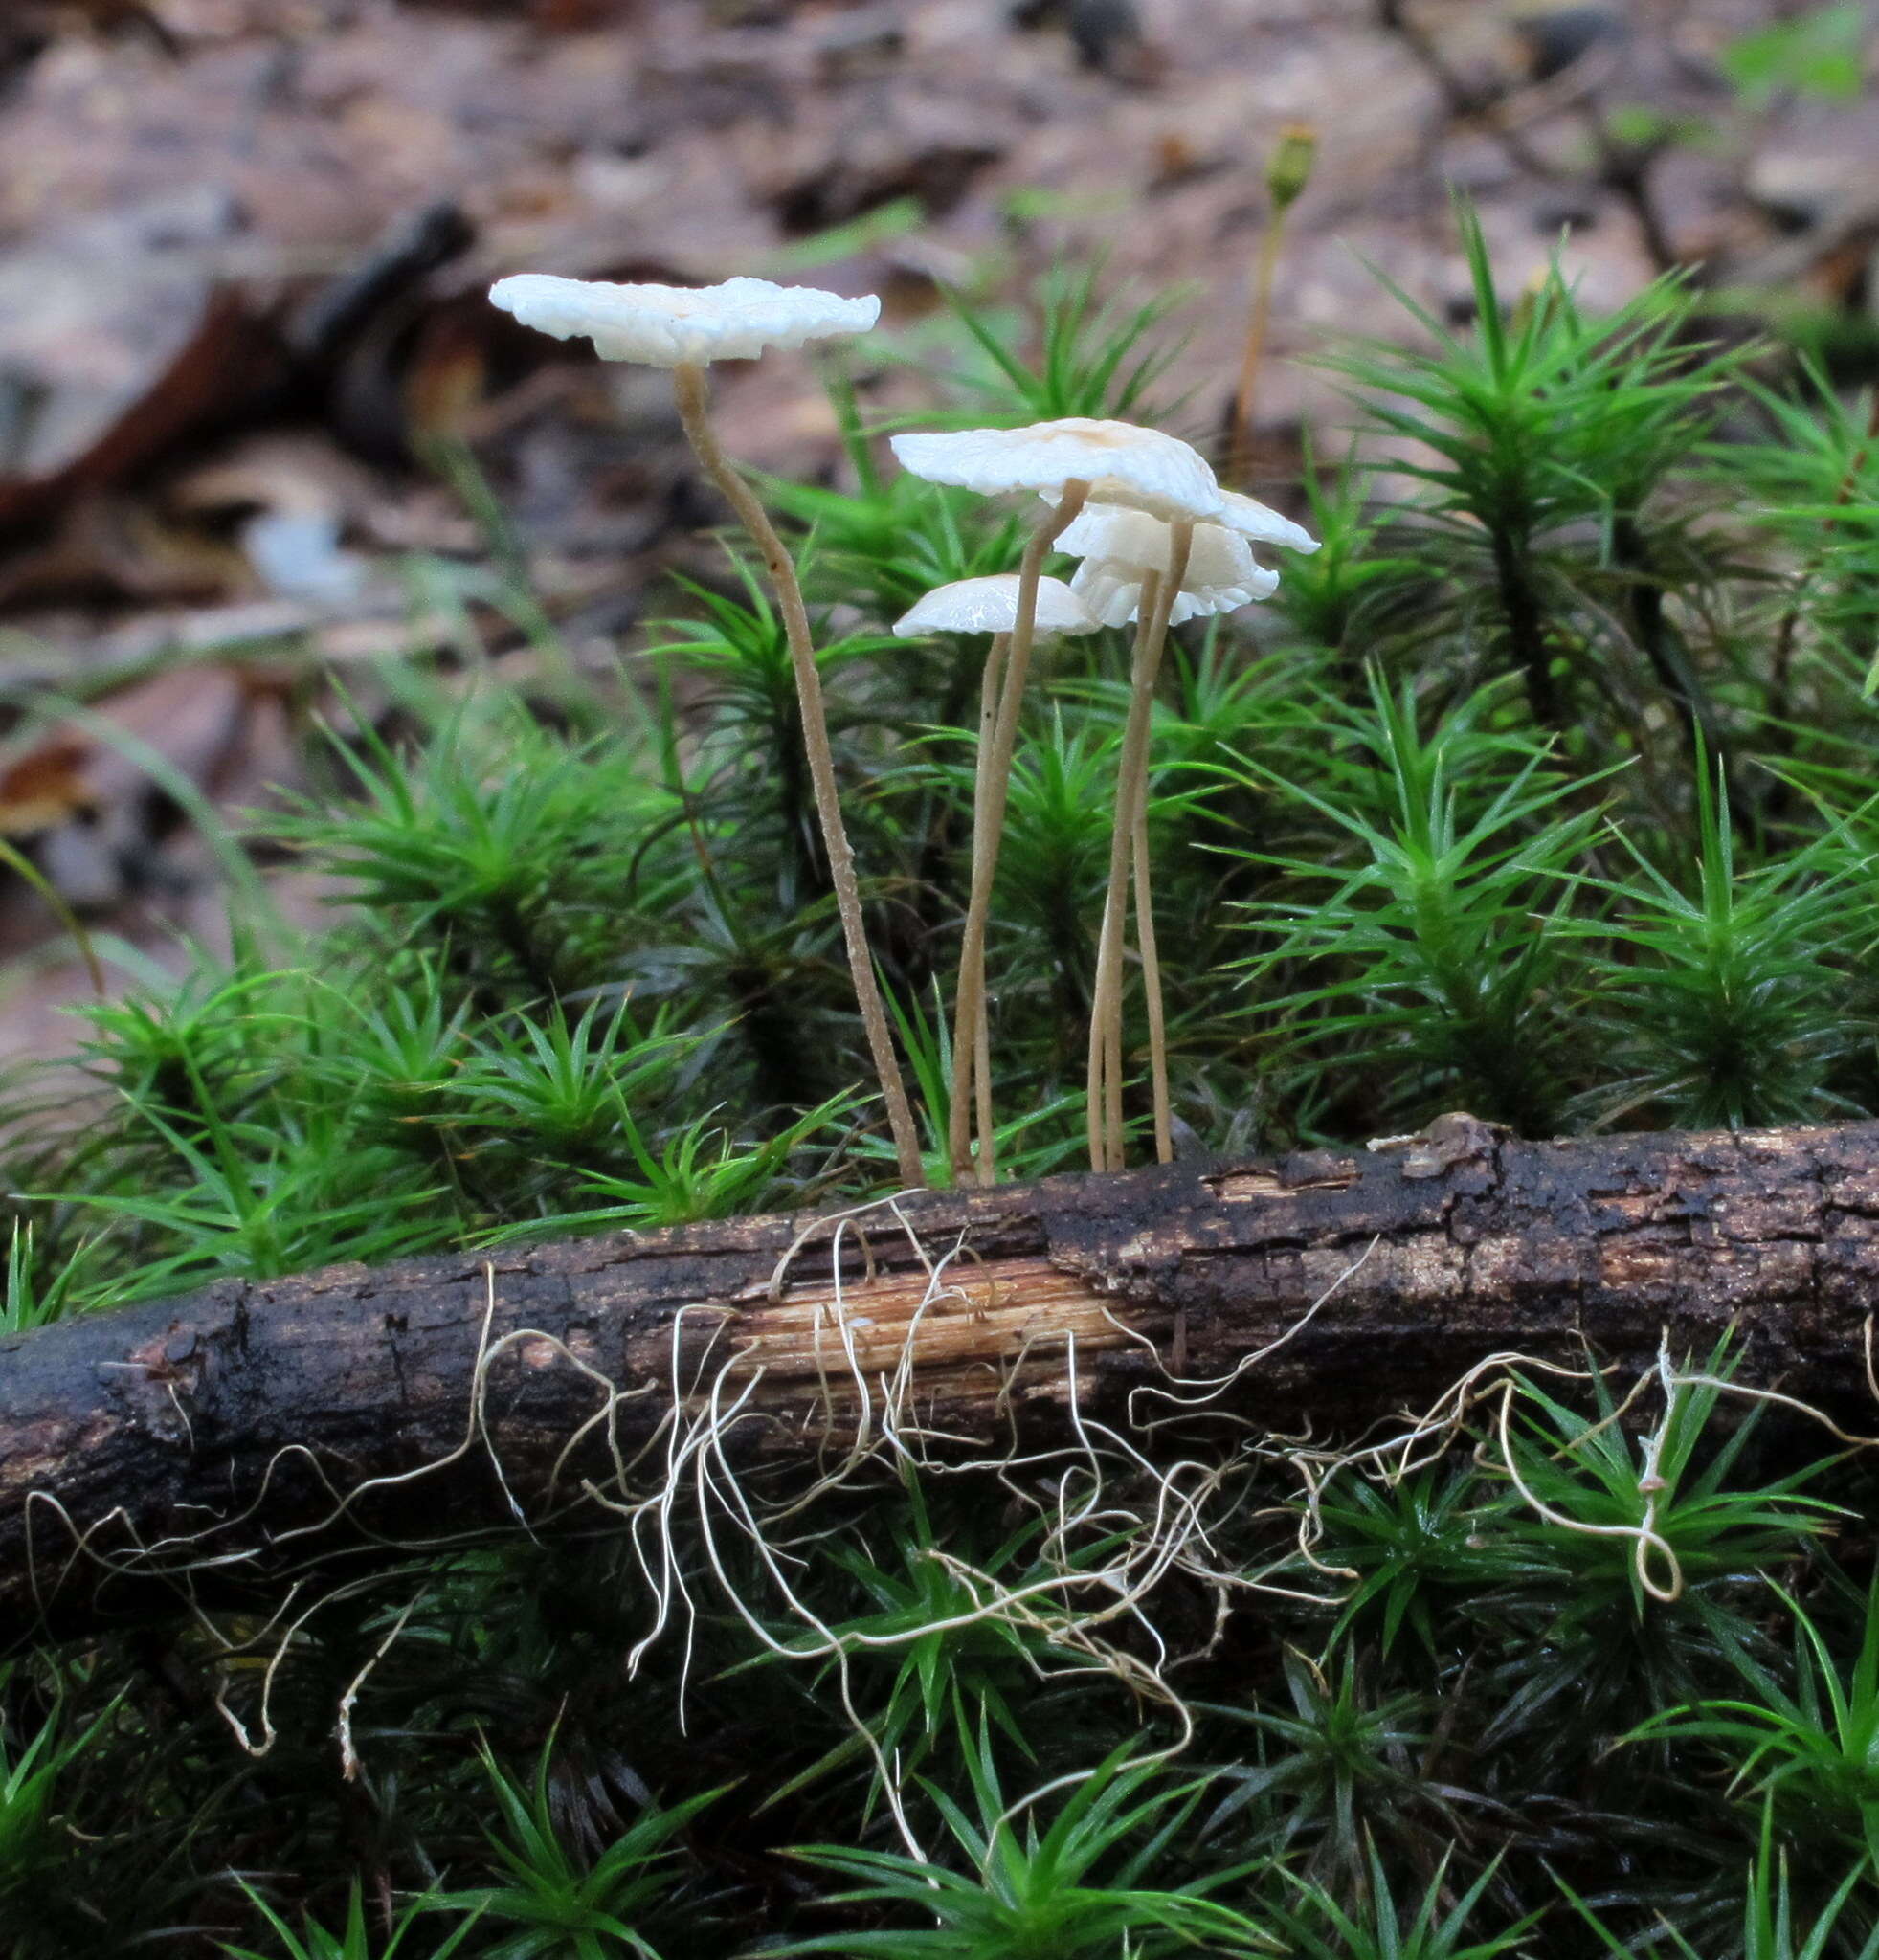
1216,555
1113,593
990,605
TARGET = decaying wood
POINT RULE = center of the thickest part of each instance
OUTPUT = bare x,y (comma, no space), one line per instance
239,1419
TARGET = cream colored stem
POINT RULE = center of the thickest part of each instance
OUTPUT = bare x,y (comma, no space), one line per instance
1096,1073
1157,603
991,822
1114,1144
1180,546
690,387
983,1113
1164,1126
990,694
1103,1068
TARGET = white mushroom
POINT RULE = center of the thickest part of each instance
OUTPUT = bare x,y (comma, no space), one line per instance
1071,459
684,328
1113,594
987,604
677,327
1141,469
1137,568
990,605
1154,573
1119,547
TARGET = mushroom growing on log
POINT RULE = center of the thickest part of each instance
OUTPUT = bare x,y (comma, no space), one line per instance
238,1429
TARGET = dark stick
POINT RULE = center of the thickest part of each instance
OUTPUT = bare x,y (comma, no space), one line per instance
247,1420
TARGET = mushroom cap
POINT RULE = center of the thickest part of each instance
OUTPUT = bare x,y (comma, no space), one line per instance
673,326
1130,540
1141,469
1112,592
1120,547
990,605
1254,519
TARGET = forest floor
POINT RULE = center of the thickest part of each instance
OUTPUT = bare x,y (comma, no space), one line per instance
245,360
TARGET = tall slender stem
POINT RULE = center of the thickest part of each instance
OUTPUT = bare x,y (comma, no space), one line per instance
1164,1124
992,823
1180,545
1155,605
689,385
1106,1066
991,692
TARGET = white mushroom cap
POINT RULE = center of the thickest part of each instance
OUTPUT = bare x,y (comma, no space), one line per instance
672,327
1254,519
1218,556
1119,547
1140,468
990,605
1113,593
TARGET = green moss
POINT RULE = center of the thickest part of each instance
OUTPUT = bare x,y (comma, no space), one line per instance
1547,792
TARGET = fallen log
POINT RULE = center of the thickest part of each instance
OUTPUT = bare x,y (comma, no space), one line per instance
256,1425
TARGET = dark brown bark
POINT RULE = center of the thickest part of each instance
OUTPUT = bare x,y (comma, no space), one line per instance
166,1420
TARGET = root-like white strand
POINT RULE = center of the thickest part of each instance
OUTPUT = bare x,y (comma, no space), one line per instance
706,1512
348,1756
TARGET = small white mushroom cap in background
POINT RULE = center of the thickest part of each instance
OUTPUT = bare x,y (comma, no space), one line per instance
1217,556
990,605
1113,593
1120,547
1141,469
675,326
1263,525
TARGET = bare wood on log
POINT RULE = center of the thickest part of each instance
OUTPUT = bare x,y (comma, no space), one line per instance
233,1418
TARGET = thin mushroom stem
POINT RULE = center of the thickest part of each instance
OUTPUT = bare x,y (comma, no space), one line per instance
990,823
1154,608
990,692
1164,1126
1105,1067
987,1149
1180,546
688,381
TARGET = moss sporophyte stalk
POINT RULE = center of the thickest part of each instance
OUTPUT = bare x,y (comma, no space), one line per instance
1288,171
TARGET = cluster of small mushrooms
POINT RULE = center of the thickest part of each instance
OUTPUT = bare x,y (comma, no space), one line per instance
1160,542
